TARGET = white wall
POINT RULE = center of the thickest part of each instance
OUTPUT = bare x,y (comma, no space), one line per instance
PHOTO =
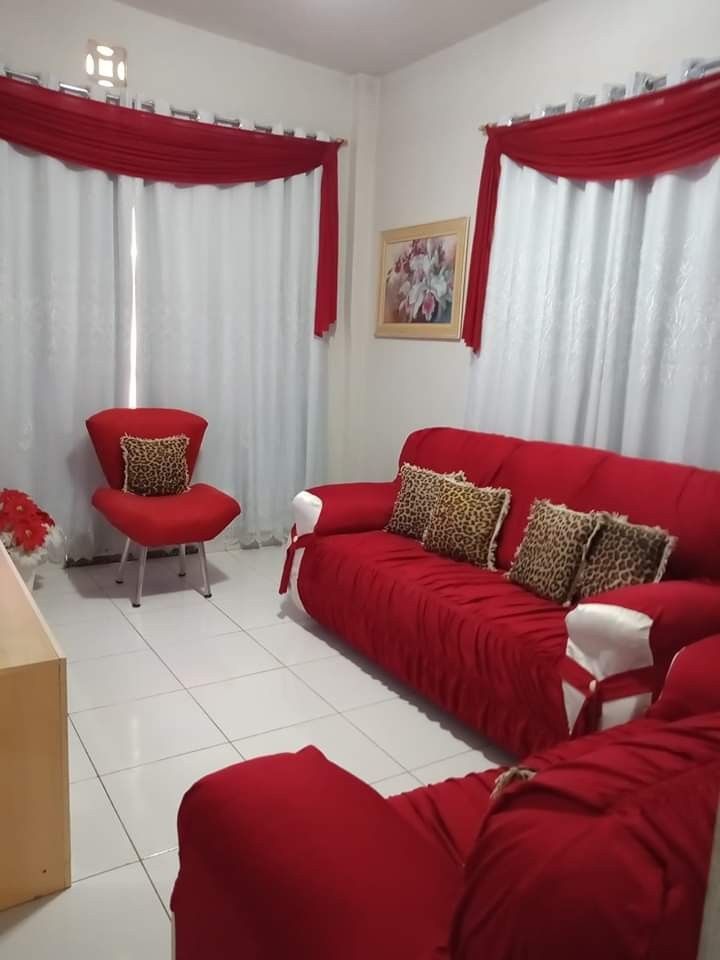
186,66
430,156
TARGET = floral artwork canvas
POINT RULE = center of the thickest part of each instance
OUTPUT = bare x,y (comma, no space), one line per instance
421,281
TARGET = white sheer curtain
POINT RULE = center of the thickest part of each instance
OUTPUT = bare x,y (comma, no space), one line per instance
225,309
602,324
64,331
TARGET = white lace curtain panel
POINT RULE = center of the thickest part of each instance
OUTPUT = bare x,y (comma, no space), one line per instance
65,288
225,308
602,322
225,293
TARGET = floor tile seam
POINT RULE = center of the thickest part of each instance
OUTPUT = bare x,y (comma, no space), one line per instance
188,690
173,756
101,873
405,769
155,890
256,673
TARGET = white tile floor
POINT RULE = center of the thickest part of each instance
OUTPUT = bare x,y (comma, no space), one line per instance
161,696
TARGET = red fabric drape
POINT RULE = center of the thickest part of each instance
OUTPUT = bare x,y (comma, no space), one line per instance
640,137
139,144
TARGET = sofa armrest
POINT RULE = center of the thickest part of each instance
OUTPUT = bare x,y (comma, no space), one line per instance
334,508
345,507
290,856
621,643
691,687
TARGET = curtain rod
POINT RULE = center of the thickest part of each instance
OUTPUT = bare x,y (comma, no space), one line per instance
644,83
149,105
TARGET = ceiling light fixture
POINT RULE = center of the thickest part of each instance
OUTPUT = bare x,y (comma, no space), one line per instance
106,65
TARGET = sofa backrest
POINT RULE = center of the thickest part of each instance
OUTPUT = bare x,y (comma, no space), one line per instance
684,500
640,811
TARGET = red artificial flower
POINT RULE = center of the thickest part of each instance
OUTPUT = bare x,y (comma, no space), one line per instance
29,533
15,505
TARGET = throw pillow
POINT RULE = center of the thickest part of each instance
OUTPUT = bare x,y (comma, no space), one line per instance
155,467
416,499
466,522
554,546
623,554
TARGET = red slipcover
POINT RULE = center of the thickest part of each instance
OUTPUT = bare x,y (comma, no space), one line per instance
480,647
107,427
684,500
693,682
291,858
468,638
604,854
193,517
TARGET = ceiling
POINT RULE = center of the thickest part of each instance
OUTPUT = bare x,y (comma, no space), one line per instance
355,36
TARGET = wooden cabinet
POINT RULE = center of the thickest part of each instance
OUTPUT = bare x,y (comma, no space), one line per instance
34,802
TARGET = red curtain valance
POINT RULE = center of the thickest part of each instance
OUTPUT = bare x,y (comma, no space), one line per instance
639,137
135,143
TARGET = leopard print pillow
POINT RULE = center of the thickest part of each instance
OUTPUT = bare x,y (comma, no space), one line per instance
155,467
554,546
623,554
416,499
466,522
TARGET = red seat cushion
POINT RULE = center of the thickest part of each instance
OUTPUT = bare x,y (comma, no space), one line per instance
603,856
193,517
479,646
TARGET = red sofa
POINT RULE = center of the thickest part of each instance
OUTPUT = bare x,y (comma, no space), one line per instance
524,671
604,854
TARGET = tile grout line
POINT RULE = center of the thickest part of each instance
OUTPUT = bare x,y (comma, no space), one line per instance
123,826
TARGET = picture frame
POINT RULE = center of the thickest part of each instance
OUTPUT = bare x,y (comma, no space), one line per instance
422,280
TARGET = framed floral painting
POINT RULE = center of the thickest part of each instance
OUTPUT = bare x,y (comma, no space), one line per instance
422,272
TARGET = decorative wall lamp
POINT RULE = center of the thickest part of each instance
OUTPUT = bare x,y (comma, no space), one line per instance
106,65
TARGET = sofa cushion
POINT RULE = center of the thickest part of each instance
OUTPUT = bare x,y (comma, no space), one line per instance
416,499
621,555
554,547
466,522
482,647
155,467
605,856
193,517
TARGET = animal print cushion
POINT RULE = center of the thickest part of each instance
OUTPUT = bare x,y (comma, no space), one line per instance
623,554
466,522
155,468
416,499
554,546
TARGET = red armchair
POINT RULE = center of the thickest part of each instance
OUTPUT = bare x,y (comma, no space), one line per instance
198,515
603,854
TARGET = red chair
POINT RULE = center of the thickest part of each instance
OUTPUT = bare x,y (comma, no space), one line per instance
198,515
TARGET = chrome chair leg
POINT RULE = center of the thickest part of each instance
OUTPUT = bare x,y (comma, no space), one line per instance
181,555
203,568
123,560
140,576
